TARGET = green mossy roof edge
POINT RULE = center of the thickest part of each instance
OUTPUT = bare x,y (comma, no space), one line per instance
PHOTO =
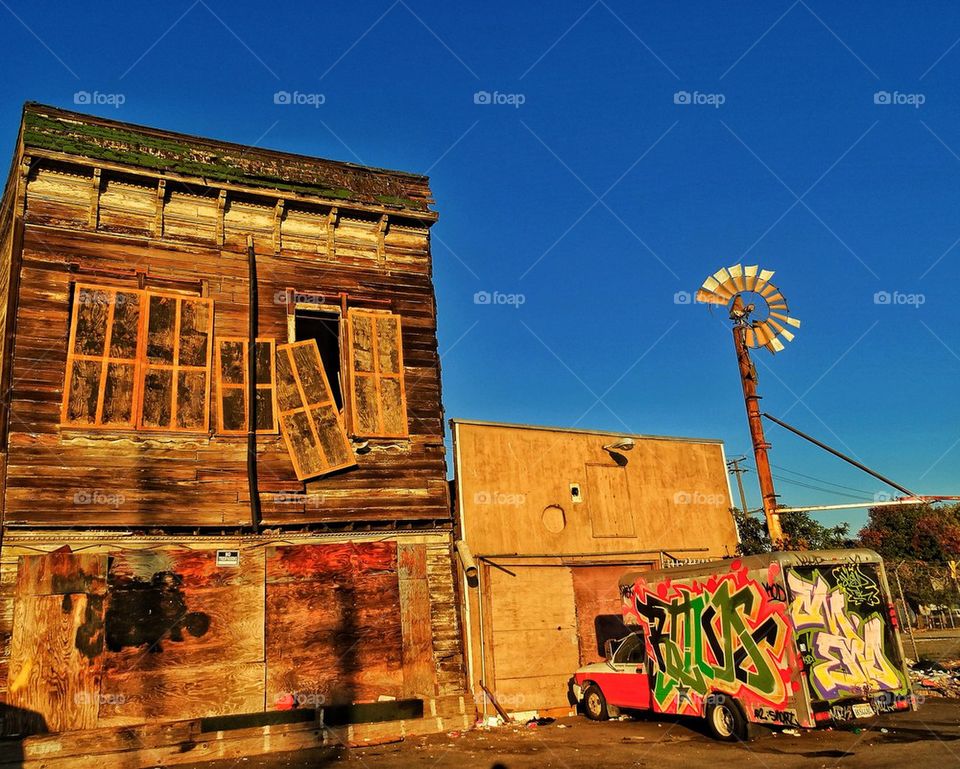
99,142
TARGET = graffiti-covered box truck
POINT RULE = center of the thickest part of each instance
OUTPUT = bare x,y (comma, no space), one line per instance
796,639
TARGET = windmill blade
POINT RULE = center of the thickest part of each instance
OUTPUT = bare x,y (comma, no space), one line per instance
786,319
775,346
750,273
750,337
764,334
721,275
788,335
710,284
708,297
765,276
736,272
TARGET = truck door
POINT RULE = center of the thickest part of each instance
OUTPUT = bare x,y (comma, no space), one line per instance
846,634
629,687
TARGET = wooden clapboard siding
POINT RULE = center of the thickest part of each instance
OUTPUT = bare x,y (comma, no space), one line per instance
141,473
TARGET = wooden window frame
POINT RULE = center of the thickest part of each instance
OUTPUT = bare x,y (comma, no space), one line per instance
352,425
176,367
105,359
307,407
221,385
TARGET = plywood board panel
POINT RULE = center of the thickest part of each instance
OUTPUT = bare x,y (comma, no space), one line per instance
511,479
181,692
418,666
607,499
60,573
54,660
533,631
334,631
171,609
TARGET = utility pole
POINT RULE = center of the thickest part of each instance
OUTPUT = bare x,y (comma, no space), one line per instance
734,466
748,378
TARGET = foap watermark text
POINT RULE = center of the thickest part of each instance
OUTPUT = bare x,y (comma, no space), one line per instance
499,298
699,99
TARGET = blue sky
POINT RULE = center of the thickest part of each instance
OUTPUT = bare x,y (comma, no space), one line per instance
822,142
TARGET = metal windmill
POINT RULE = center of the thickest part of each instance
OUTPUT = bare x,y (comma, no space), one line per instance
760,319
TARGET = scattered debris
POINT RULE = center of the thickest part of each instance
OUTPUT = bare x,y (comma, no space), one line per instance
545,721
936,679
791,732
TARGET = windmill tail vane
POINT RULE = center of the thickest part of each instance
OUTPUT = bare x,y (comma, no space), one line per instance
748,290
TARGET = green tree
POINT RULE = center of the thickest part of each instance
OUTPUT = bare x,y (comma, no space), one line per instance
802,532
921,532
918,541
753,533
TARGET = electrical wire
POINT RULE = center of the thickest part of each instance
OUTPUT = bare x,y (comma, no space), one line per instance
818,488
821,480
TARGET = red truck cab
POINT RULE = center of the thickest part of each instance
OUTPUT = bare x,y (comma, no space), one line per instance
620,681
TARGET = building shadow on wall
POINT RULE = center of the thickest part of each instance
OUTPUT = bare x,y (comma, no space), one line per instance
19,723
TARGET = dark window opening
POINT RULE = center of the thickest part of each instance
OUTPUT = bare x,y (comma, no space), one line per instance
324,328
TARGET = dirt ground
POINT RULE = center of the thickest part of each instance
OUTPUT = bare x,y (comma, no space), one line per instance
933,645
929,737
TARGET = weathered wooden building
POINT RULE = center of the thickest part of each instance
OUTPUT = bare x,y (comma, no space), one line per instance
224,486
552,518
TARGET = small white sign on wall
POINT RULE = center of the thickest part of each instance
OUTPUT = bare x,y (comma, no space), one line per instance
228,557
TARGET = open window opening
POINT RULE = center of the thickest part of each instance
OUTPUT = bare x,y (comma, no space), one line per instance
323,326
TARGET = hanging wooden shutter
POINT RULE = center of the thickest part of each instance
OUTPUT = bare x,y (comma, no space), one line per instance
378,401
176,366
102,357
232,392
309,420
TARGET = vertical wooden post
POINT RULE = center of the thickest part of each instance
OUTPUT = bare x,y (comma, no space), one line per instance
161,202
748,378
278,226
221,212
95,199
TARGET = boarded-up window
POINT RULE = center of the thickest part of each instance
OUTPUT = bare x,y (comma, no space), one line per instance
102,357
175,372
232,391
378,401
608,502
308,415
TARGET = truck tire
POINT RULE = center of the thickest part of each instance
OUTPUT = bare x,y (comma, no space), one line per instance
725,719
595,704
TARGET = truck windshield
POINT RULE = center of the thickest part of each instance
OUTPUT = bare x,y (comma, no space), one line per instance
630,651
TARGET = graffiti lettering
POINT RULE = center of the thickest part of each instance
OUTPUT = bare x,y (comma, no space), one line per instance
860,589
844,651
721,635
772,716
775,591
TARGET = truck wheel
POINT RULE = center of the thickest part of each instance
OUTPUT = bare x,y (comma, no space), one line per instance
726,720
595,704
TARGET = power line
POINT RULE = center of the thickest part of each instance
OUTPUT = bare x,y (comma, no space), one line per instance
818,488
823,480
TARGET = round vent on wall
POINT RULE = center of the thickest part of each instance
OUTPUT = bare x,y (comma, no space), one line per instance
554,519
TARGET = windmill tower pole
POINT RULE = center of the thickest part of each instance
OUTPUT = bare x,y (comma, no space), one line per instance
748,378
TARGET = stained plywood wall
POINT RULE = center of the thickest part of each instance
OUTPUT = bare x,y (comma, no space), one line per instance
514,493
119,638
